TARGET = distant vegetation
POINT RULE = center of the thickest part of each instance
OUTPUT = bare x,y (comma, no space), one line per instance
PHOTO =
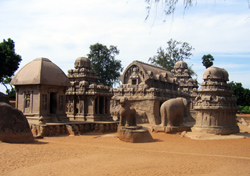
9,63
243,97
174,52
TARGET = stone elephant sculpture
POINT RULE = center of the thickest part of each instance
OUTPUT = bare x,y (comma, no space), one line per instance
173,111
127,114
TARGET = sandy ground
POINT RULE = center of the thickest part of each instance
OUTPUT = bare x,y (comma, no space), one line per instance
95,154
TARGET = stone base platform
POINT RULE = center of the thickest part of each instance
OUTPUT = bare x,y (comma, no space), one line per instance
217,130
207,136
134,134
172,129
72,128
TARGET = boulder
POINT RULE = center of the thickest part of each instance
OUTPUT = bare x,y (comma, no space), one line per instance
14,126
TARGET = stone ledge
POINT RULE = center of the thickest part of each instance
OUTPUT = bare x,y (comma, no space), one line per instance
172,129
206,136
72,128
223,130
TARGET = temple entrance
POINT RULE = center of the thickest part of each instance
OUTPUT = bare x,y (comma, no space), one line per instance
53,103
101,105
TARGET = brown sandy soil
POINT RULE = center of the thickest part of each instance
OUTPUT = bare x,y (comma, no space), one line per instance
95,154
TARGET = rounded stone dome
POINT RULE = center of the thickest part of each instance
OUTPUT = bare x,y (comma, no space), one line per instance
216,73
40,71
180,64
82,62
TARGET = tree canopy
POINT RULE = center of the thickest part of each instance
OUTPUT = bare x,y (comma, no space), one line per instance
207,60
242,94
104,63
9,62
175,51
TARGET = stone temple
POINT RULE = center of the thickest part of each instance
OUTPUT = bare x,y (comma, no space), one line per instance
146,87
215,106
40,91
86,99
45,94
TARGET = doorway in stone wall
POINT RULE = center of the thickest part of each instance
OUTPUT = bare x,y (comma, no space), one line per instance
101,105
53,103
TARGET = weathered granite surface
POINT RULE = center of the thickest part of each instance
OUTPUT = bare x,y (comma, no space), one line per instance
215,106
172,116
14,126
128,130
72,128
40,87
86,99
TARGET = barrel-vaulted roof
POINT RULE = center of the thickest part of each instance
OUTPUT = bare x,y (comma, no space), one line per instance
40,71
148,72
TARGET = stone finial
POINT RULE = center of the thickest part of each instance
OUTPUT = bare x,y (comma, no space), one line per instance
180,64
82,62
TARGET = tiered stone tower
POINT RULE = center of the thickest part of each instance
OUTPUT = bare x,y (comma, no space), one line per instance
86,100
215,106
187,85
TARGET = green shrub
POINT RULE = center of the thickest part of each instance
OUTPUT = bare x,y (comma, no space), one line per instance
244,109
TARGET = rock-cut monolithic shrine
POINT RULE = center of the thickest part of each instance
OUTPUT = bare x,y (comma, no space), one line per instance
169,101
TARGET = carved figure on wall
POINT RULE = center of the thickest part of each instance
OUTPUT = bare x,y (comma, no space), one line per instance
127,114
27,100
172,112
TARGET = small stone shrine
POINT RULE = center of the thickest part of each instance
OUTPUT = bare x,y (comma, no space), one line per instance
146,87
86,99
187,85
128,130
40,91
215,106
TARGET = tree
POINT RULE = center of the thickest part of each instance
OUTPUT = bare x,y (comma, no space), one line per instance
104,63
11,93
9,63
207,60
175,51
170,5
242,94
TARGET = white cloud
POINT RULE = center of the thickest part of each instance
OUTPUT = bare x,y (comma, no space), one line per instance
63,30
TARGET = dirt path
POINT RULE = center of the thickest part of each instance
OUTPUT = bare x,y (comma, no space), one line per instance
94,154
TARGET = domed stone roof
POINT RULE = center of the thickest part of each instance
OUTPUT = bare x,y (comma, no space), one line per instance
82,62
216,73
180,64
40,71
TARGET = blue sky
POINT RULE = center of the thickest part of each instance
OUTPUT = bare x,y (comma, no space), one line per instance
63,30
